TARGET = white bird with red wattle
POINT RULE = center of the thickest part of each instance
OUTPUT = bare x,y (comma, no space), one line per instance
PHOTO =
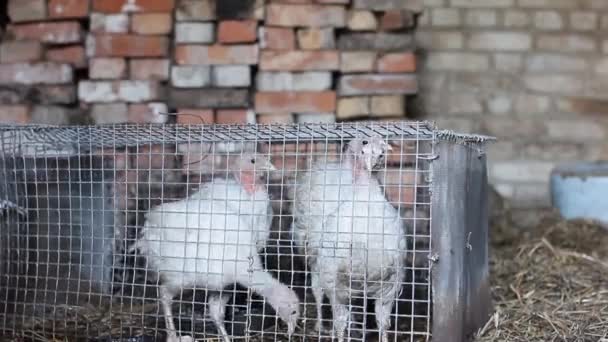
211,240
351,235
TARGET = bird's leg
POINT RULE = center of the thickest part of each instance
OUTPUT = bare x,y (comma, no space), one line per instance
341,315
317,292
166,298
383,317
217,311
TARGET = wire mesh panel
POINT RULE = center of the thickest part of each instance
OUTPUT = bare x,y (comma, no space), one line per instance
258,232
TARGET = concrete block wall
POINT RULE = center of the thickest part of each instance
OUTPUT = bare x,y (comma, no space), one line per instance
107,61
531,72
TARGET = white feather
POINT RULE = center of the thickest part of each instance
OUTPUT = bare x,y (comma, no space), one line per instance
197,242
318,194
256,208
211,240
352,236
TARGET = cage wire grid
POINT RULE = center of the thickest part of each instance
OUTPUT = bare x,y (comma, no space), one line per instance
107,227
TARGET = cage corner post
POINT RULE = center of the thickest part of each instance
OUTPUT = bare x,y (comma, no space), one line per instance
459,209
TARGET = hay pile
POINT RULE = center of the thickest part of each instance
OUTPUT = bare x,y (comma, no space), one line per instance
80,323
549,282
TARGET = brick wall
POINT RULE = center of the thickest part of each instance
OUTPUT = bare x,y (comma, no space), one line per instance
106,61
531,72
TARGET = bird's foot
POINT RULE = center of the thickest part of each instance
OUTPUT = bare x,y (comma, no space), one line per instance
318,326
384,336
180,338
224,335
339,336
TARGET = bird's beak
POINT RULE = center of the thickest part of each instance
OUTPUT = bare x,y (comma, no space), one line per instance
368,163
291,328
389,147
268,167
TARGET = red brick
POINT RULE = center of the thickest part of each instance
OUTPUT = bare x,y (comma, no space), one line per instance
14,114
116,158
152,23
278,38
63,32
299,60
400,185
117,6
38,73
396,20
289,163
68,8
305,15
129,45
216,54
149,69
26,10
155,157
302,102
188,116
199,159
316,39
237,31
232,116
397,62
20,51
372,84
107,68
73,54
153,112
279,147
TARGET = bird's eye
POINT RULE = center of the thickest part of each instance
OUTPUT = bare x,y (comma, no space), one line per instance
365,142
252,161
294,312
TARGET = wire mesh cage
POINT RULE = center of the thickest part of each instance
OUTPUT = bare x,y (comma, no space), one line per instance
369,231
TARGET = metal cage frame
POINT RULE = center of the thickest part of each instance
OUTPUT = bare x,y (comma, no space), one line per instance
459,259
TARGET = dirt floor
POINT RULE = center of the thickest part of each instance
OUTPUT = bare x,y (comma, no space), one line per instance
549,280
549,283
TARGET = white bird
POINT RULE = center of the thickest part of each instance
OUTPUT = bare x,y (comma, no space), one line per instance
211,242
244,187
352,236
320,191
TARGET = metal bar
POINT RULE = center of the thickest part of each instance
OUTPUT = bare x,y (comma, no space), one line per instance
460,274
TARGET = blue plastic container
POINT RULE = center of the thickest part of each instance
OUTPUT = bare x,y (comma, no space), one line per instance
580,190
